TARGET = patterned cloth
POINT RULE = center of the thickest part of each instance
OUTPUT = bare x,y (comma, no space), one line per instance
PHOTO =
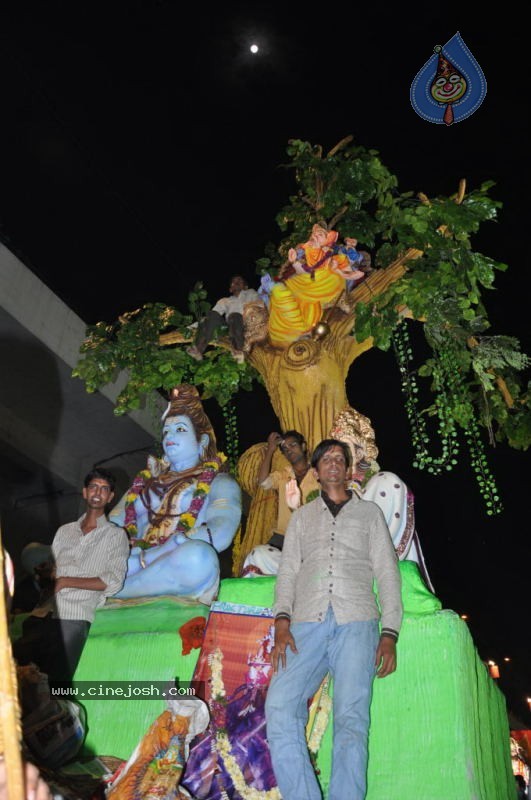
234,660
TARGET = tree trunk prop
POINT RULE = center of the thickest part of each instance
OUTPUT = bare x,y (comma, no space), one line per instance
306,385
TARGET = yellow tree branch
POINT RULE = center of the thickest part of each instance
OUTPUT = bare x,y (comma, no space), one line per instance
340,145
502,386
376,283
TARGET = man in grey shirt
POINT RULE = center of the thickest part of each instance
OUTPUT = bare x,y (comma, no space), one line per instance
90,565
326,620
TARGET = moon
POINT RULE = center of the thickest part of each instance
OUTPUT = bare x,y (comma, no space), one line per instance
254,48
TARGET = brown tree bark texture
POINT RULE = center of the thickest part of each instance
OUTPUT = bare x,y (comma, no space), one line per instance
306,385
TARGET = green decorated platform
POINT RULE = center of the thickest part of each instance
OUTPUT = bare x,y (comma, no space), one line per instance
439,727
137,643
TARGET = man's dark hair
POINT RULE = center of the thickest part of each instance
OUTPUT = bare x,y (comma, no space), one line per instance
326,445
294,435
103,475
241,278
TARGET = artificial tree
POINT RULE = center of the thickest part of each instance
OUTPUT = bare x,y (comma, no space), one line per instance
426,270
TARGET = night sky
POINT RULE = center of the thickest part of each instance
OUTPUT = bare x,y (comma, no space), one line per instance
139,151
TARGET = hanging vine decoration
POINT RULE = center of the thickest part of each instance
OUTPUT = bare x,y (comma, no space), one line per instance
419,433
460,396
484,477
451,392
232,440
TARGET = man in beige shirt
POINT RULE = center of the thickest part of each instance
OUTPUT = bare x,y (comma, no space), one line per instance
90,557
326,620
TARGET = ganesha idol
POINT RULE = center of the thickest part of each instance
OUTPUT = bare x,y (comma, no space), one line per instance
317,274
180,511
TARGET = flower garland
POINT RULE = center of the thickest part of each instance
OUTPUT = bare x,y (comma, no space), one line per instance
322,716
189,517
222,744
312,495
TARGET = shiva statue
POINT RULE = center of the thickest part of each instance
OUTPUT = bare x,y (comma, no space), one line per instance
180,511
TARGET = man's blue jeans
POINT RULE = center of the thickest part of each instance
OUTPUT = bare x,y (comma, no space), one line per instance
348,653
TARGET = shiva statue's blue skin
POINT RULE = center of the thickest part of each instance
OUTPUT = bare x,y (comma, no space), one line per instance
184,565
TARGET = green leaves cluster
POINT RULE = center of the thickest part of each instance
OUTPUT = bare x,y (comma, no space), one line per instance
453,404
484,362
352,190
500,353
132,344
343,188
443,288
514,424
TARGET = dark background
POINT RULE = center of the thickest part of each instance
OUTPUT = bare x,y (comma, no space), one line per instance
139,151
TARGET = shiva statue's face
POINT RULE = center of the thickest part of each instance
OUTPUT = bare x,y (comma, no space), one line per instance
180,443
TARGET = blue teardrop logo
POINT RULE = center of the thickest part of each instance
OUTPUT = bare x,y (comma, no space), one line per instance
450,86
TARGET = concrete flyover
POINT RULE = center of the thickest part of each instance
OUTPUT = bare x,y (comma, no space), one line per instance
51,431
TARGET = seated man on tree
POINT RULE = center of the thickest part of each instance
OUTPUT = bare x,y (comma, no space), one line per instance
229,310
